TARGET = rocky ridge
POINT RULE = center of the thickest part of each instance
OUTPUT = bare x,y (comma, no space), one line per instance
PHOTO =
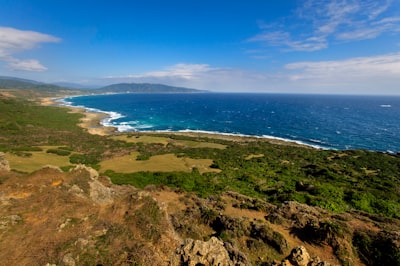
74,218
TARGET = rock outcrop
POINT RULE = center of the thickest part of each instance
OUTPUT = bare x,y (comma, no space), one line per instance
212,252
299,256
4,165
84,181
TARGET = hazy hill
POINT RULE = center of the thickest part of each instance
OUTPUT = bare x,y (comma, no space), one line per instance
17,83
5,78
75,85
145,88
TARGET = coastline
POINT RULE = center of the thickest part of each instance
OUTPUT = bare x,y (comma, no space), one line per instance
230,137
92,121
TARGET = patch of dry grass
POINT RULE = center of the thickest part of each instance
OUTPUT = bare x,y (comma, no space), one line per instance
143,139
157,163
36,161
252,156
165,141
199,144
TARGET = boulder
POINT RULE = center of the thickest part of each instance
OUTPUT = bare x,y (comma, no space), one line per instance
99,193
4,165
68,260
299,256
196,252
93,174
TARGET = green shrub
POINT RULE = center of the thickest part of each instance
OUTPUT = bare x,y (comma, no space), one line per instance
376,249
59,152
87,159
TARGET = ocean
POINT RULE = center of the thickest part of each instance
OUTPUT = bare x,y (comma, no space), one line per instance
322,121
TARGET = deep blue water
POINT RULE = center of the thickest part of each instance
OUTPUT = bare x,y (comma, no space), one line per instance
333,122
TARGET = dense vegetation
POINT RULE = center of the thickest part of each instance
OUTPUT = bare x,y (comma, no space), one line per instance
25,126
335,180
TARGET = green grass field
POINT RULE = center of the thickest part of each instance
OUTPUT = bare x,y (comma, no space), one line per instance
36,161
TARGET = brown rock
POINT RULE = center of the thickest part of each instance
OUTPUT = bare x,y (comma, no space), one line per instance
100,193
299,256
4,165
196,252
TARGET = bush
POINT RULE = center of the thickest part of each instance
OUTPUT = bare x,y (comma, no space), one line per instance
90,159
59,152
376,249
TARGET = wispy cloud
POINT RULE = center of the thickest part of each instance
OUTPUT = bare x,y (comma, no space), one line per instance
182,71
354,75
177,72
383,65
359,75
317,22
199,76
13,41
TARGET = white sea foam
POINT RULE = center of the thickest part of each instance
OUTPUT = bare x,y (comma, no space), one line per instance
124,128
385,105
107,122
249,136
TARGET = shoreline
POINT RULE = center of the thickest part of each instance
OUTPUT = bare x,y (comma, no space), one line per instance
93,123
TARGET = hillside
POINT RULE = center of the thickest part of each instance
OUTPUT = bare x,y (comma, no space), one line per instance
145,88
8,83
33,89
169,199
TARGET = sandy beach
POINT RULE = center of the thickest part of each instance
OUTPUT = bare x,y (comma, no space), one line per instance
91,120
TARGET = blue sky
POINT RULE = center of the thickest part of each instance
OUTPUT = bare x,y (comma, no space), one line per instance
291,46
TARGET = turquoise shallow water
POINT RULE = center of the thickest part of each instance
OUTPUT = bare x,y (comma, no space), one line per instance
332,122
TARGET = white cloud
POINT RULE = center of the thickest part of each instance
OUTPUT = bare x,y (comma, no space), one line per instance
361,75
375,74
361,66
13,41
183,71
178,72
344,20
199,76
26,65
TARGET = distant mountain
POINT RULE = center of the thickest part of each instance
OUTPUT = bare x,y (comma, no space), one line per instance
74,85
17,83
20,79
6,82
145,88
31,85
